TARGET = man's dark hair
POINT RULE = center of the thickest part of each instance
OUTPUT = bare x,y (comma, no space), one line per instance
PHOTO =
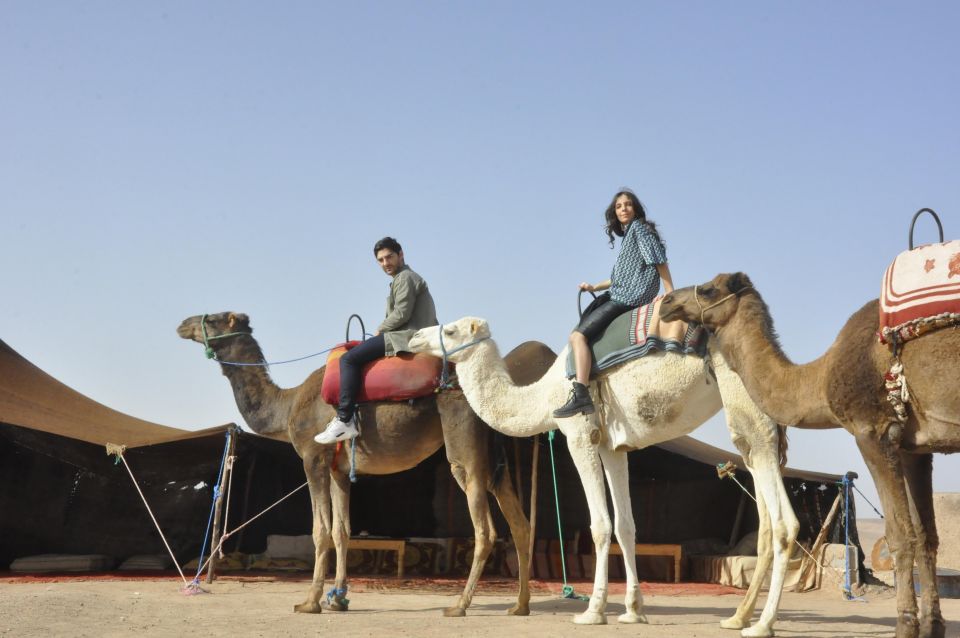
389,243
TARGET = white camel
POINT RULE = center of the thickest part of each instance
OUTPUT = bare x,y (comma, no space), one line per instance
642,402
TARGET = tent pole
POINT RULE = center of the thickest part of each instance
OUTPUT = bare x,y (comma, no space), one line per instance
533,499
215,540
738,520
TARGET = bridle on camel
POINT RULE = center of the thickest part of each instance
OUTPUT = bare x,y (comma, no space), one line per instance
696,297
444,374
207,349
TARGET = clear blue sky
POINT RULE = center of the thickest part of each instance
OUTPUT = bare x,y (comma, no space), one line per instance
165,159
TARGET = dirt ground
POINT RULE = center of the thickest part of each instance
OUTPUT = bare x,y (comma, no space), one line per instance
264,607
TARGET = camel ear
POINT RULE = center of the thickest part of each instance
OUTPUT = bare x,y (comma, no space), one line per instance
738,281
474,327
237,320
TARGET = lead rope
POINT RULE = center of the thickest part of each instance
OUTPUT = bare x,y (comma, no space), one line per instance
567,591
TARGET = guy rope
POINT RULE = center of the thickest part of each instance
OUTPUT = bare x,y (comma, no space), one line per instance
118,452
193,587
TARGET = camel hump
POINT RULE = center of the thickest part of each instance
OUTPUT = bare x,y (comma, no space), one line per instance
405,376
528,362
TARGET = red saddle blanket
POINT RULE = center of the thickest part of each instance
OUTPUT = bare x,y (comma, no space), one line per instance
405,376
919,284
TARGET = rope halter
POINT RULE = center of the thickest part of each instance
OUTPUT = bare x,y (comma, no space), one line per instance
207,348
696,297
444,375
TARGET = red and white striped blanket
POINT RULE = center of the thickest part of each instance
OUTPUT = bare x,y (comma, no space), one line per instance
920,285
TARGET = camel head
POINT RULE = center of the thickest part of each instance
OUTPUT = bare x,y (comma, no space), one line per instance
457,338
712,304
213,330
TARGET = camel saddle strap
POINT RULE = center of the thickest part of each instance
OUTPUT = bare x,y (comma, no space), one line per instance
920,292
639,333
405,376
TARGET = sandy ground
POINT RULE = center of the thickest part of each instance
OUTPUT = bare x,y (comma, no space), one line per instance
264,608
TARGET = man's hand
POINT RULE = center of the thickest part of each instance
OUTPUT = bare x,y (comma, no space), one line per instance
588,287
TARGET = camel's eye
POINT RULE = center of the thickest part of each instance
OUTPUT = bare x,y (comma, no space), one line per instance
708,292
449,331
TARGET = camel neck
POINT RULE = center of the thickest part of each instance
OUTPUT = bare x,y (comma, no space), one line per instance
261,401
791,394
508,408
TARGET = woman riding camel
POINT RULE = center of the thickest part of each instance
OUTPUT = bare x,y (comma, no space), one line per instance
634,282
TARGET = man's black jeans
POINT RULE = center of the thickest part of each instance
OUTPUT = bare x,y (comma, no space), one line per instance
351,366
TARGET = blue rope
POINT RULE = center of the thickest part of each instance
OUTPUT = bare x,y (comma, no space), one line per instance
216,493
340,595
353,460
274,363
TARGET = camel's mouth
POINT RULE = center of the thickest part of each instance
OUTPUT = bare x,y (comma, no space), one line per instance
186,329
418,343
669,312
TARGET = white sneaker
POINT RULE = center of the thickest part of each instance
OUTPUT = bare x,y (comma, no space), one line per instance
338,430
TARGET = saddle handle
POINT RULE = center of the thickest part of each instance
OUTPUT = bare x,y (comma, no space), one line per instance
580,301
363,330
935,218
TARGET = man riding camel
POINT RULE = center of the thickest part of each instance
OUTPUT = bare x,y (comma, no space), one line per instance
409,308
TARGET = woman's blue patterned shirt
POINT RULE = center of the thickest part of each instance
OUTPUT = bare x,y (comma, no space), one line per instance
635,280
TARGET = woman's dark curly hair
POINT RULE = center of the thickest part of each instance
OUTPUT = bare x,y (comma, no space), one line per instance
614,227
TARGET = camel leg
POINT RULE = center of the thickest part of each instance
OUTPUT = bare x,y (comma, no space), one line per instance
318,482
615,469
741,617
484,533
778,525
582,439
918,469
520,531
884,464
340,500
778,531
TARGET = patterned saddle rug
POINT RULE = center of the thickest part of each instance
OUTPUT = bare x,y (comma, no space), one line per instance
638,333
920,292
405,376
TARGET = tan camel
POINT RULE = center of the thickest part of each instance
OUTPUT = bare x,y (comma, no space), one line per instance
396,437
642,402
845,388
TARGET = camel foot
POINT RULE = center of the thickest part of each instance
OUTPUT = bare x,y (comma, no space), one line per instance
590,618
309,607
907,626
454,612
632,618
337,605
757,631
734,622
519,610
933,628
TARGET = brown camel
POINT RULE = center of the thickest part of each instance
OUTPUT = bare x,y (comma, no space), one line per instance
396,437
845,388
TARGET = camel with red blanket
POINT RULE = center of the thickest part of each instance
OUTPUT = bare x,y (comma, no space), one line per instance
397,435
